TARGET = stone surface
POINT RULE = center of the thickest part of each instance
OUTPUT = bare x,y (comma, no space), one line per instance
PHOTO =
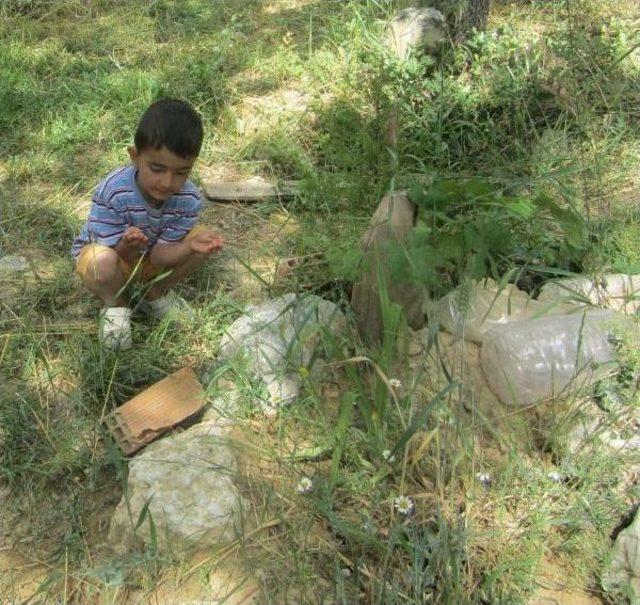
546,596
412,28
623,573
391,222
593,428
276,339
187,479
422,28
13,264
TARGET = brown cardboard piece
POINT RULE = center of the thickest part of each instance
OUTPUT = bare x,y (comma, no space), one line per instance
155,410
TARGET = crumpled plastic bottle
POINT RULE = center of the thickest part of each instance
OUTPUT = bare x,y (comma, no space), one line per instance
473,309
536,359
616,291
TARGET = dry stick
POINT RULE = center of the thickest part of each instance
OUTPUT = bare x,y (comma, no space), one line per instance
104,407
7,338
8,308
44,429
66,575
52,567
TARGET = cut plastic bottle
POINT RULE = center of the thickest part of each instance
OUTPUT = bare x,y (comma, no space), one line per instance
472,313
615,291
536,359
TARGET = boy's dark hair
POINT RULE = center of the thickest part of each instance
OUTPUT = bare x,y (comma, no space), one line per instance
173,124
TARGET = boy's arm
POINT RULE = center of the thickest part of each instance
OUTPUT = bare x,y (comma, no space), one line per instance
170,255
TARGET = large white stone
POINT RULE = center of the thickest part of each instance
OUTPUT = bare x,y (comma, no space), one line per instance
593,428
420,28
277,338
187,478
624,571
13,264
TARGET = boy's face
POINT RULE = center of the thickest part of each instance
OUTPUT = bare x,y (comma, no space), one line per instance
161,173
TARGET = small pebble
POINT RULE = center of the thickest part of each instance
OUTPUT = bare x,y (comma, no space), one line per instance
555,477
13,264
484,478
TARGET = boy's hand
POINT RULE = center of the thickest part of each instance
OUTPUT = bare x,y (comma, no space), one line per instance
206,242
134,239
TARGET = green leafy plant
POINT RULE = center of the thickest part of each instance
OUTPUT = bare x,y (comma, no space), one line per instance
475,228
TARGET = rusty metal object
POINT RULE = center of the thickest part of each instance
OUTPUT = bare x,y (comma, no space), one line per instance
155,410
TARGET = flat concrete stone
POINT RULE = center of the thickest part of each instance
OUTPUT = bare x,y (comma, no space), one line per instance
186,480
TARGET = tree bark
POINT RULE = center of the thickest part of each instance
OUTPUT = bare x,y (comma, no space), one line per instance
474,15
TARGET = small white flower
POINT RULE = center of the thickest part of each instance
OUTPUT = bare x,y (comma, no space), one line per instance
386,455
555,476
404,505
484,478
305,485
394,383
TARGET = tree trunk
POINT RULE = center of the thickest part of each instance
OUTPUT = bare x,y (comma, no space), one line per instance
474,15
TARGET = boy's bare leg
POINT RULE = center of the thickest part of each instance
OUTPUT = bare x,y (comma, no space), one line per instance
105,279
180,271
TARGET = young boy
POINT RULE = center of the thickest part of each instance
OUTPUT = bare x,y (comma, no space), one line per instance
142,221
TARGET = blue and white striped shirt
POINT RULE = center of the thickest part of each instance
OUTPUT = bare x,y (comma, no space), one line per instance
117,204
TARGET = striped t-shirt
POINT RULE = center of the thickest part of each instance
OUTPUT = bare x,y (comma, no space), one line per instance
117,204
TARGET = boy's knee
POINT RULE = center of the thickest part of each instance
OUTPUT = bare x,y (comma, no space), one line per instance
99,266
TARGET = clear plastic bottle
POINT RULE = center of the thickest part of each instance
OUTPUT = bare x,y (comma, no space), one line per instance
471,312
615,291
536,359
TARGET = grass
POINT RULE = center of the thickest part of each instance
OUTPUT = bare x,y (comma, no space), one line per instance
544,103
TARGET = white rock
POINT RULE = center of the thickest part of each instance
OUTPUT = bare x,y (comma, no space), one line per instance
594,428
13,264
624,570
277,338
187,479
424,28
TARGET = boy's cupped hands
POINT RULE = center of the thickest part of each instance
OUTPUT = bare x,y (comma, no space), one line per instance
206,242
134,239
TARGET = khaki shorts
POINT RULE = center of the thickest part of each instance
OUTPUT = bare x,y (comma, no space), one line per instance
144,268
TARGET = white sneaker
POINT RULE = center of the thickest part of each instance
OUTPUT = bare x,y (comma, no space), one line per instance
169,306
115,328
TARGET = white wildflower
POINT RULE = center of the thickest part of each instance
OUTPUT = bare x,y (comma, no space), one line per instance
404,505
394,383
484,478
555,476
387,456
305,485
